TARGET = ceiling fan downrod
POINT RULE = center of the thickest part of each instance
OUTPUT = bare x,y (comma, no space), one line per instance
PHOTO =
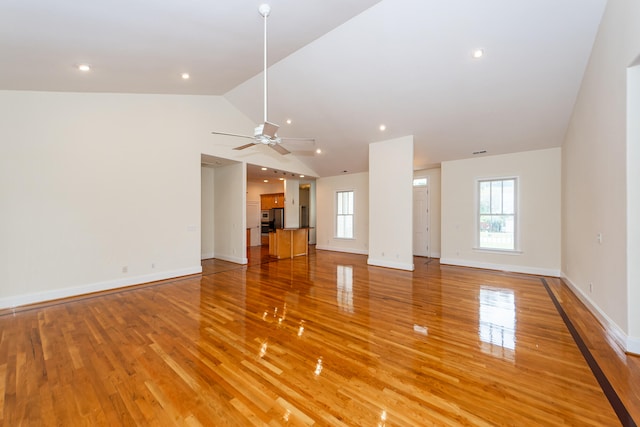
265,10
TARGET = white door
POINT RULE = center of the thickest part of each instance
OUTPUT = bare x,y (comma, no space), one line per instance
421,220
253,222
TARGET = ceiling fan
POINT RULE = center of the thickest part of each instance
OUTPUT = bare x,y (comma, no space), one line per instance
265,133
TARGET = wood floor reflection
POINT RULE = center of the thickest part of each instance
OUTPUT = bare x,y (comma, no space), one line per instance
317,340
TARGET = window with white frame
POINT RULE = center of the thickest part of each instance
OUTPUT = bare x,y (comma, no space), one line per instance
420,182
344,214
497,214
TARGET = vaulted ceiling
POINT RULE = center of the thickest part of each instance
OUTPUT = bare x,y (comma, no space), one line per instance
338,69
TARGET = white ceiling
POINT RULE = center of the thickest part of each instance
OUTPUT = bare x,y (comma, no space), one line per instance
339,68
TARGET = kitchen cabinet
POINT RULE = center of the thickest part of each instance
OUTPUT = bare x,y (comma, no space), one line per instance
270,201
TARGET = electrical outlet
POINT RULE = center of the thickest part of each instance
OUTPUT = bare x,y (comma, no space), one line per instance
153,265
125,269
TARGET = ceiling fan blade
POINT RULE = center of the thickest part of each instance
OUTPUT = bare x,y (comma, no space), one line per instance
270,129
232,134
280,149
242,147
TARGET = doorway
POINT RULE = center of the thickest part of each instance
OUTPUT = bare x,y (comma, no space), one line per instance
421,217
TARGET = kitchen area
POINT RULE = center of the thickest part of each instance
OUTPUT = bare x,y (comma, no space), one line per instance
285,241
276,203
271,215
286,205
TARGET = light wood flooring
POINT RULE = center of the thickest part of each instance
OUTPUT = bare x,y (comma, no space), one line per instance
318,340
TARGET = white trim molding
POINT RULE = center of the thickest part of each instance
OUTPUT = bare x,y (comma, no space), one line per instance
44,296
207,255
339,249
234,259
501,267
633,345
627,343
390,264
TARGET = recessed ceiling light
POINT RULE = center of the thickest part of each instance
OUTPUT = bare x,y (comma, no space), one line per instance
289,121
264,169
185,76
265,180
318,151
478,53
382,128
281,179
84,67
301,176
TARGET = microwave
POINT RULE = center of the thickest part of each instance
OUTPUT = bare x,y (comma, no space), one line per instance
265,215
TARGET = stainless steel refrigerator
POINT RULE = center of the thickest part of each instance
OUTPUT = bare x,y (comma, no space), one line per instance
278,217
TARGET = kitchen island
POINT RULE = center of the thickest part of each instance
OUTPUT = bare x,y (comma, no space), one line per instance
289,242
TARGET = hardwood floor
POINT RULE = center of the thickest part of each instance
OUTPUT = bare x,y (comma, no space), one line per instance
317,340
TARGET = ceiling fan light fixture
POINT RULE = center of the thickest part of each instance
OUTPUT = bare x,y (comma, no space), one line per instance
264,9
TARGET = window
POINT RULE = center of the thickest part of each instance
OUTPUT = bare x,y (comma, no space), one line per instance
344,214
420,182
497,214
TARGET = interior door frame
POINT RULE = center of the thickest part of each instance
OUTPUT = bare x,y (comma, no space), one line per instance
428,213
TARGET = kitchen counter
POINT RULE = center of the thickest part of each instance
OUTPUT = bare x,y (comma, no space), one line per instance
289,242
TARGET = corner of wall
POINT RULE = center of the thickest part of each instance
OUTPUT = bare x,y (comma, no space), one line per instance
626,343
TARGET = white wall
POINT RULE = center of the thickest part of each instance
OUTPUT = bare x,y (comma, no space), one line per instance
326,207
92,183
207,216
433,176
313,213
230,213
291,203
255,189
538,216
595,178
633,204
391,203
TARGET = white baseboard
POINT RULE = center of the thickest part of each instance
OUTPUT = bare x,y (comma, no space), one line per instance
627,343
390,264
633,345
339,249
207,255
434,255
501,267
234,259
51,295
